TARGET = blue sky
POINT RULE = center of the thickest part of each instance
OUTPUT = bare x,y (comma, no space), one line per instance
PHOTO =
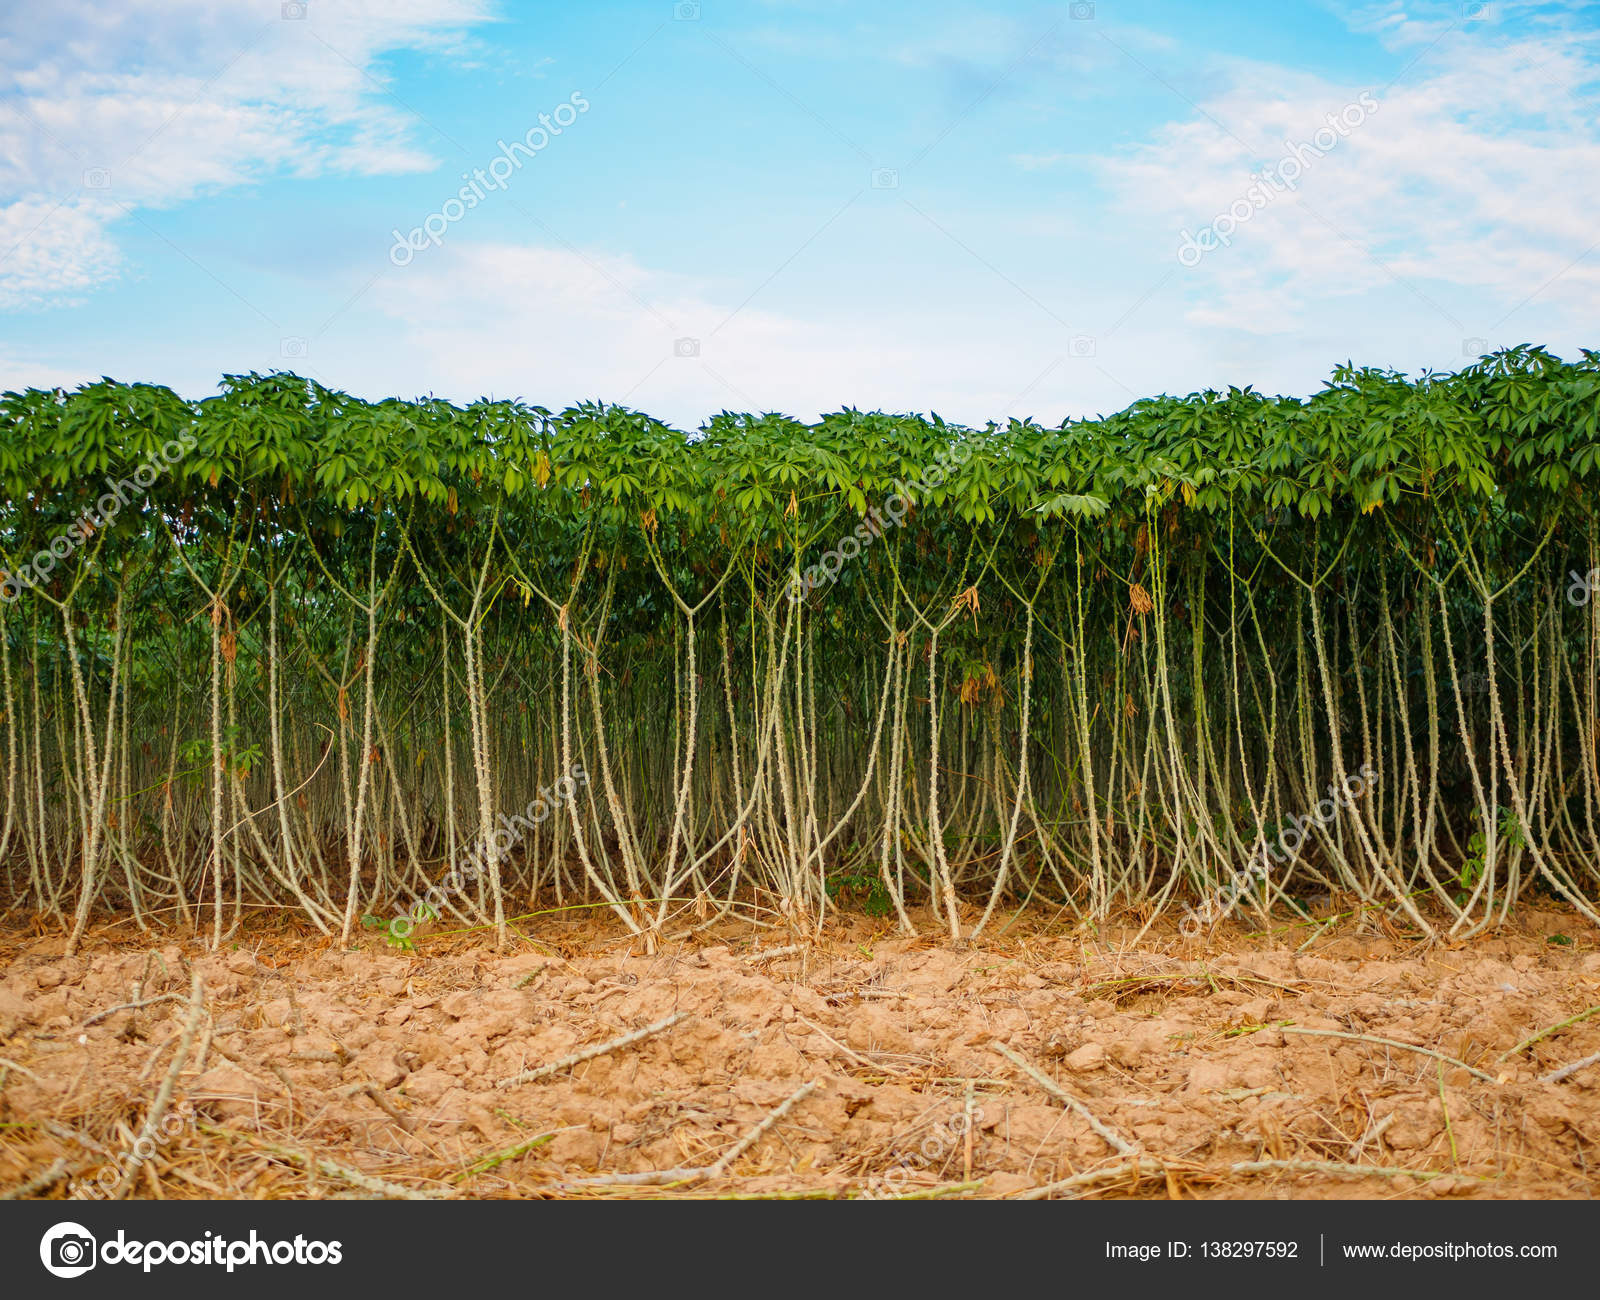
976,210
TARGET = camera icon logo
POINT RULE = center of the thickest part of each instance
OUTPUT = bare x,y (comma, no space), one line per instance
97,178
685,347
293,10
294,348
1081,345
1081,10
1474,347
885,178
686,11
67,1250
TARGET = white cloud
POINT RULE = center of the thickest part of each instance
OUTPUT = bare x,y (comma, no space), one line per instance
1408,24
150,102
1454,185
18,373
50,249
553,326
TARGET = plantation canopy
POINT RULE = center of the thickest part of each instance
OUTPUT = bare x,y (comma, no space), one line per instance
1518,420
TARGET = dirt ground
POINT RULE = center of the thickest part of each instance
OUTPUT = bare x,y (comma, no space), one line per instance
1237,1066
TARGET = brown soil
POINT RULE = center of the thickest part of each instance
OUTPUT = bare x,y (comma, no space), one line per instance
374,1065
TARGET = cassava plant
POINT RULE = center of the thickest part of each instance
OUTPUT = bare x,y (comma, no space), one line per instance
314,661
